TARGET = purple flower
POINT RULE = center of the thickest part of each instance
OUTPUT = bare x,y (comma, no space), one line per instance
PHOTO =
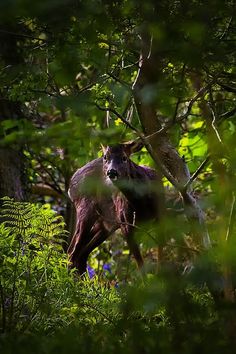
107,268
91,272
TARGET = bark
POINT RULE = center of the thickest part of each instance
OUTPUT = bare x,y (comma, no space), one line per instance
13,181
12,162
70,212
158,141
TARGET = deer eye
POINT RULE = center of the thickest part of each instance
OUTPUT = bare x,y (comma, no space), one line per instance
124,158
105,157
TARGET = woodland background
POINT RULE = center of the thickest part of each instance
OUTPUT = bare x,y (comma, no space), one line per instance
73,75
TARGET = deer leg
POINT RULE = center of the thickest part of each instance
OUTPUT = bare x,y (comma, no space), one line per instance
128,233
100,235
86,218
80,240
135,250
82,257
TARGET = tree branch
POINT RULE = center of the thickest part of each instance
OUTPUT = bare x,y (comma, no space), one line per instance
196,173
45,190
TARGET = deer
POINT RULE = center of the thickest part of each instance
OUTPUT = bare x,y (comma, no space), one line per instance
110,193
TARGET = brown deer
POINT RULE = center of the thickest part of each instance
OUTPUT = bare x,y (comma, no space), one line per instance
109,193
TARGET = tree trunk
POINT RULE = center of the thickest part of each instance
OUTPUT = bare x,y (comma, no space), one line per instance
158,142
12,161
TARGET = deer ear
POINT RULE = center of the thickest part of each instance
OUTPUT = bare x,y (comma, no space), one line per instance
103,149
133,146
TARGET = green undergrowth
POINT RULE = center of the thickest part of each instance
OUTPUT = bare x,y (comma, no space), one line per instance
46,308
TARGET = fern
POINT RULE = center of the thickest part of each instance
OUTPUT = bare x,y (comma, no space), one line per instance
32,262
29,220
36,289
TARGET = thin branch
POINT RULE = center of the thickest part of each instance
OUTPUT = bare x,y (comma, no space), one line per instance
131,65
164,170
214,116
128,110
227,88
100,312
43,92
55,186
196,173
160,131
187,248
108,109
228,114
199,94
179,99
87,87
214,127
227,28
231,219
124,223
23,35
110,74
176,110
178,119
140,63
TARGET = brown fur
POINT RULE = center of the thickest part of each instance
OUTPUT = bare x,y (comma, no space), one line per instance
135,194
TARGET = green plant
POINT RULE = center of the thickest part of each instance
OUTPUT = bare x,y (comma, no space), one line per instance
37,291
34,280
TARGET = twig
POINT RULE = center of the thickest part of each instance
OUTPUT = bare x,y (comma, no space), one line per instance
187,248
44,92
228,114
100,312
226,30
179,99
199,94
231,219
214,127
108,109
125,223
196,173
23,35
213,112
110,74
128,110
164,129
176,110
87,87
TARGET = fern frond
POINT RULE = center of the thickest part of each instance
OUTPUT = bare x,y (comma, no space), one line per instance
31,222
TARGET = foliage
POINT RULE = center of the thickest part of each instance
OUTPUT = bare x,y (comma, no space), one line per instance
70,66
33,267
45,307
37,290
